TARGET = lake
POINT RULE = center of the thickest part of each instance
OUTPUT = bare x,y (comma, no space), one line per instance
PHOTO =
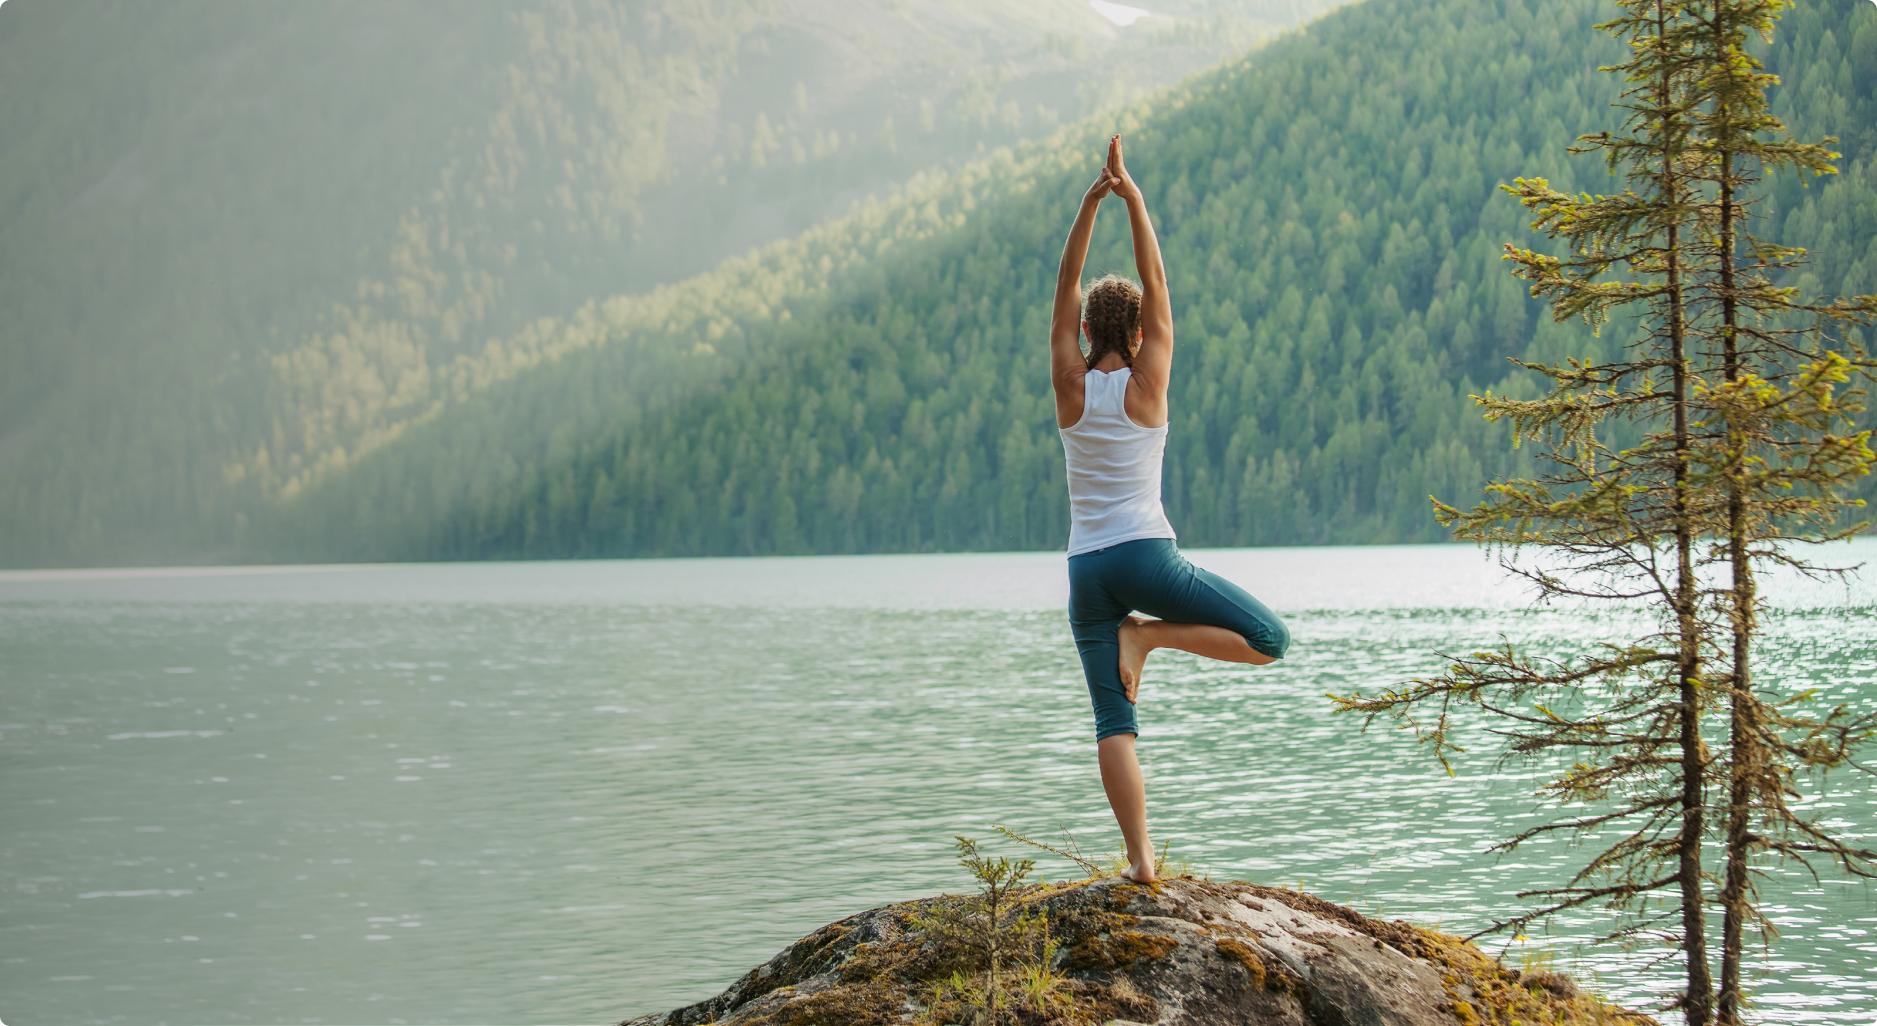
570,792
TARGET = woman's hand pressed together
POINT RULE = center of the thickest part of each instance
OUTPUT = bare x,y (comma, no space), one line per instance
1120,182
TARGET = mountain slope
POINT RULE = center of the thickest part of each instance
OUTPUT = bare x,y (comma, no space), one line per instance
238,244
1330,219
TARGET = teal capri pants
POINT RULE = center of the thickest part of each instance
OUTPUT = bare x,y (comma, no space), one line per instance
1149,575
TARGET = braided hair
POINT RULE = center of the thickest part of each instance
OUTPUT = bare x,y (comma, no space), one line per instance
1112,308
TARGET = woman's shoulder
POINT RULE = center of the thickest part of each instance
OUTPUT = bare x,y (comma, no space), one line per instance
1071,389
1144,384
1070,382
1148,401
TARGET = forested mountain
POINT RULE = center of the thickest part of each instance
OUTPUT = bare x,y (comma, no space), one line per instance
1330,220
242,242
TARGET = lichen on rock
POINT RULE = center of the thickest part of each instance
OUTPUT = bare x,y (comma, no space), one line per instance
1180,952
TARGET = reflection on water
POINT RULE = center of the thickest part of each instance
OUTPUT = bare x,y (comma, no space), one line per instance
571,792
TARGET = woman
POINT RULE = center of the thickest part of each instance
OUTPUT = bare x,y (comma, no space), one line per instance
1111,408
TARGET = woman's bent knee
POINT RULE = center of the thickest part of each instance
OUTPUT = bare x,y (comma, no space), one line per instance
1276,639
1233,606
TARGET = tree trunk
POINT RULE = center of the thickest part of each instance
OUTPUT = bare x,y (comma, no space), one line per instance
1697,1003
1743,747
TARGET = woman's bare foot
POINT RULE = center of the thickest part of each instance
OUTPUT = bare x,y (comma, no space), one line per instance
1134,649
1139,874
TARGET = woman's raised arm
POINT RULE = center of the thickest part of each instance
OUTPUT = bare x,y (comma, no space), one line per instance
1154,362
1065,320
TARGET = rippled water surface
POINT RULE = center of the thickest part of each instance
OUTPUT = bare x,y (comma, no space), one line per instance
572,792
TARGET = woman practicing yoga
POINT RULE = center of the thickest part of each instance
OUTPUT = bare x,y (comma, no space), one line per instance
1111,407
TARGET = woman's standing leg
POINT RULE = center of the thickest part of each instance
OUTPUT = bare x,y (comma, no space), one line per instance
1127,796
1095,618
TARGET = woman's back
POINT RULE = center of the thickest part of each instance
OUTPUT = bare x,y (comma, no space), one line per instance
1113,467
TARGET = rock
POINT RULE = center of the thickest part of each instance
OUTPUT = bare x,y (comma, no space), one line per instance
1182,952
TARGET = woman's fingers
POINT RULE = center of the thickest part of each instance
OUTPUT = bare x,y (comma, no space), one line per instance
1114,173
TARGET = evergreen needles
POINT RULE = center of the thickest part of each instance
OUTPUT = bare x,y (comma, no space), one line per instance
1746,397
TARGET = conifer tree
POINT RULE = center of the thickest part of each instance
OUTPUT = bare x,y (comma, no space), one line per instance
1781,433
1751,439
1616,524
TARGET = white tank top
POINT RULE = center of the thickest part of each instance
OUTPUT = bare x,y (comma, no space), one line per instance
1114,469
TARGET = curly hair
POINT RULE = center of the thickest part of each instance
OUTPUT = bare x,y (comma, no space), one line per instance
1112,308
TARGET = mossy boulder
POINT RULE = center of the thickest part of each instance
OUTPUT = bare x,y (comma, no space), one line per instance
1182,952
